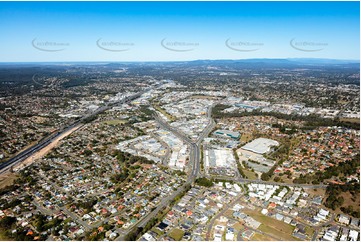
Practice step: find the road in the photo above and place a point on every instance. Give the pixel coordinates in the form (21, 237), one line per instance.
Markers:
(163, 204)
(211, 223)
(319, 227)
(167, 154)
(5, 166)
(194, 162)
(195, 151)
(76, 218)
(203, 135)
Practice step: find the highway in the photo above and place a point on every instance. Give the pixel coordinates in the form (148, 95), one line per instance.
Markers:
(194, 161)
(5, 166)
(203, 135)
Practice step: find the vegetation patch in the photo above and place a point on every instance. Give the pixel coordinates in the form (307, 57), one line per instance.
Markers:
(204, 182)
(261, 237)
(176, 234)
(115, 121)
(273, 226)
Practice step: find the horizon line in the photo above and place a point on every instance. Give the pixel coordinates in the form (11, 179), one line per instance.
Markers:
(150, 61)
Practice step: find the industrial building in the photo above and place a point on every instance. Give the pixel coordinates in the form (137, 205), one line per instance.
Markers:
(260, 145)
(227, 133)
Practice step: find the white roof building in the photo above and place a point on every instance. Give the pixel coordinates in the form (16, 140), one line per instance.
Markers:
(344, 219)
(324, 212)
(260, 145)
(238, 188)
(353, 235)
(229, 235)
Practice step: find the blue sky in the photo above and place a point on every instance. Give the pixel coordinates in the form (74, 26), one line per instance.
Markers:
(133, 31)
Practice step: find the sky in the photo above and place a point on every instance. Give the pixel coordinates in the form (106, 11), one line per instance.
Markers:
(177, 31)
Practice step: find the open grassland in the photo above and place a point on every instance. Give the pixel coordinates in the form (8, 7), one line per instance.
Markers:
(176, 234)
(250, 174)
(351, 120)
(115, 122)
(272, 226)
(7, 179)
(161, 110)
(246, 137)
(261, 237)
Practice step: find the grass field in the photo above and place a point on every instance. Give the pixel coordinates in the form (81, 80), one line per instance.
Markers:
(277, 233)
(272, 226)
(246, 137)
(310, 231)
(228, 213)
(7, 179)
(159, 109)
(3, 237)
(284, 179)
(261, 237)
(351, 120)
(157, 231)
(250, 174)
(316, 192)
(176, 234)
(115, 122)
(238, 226)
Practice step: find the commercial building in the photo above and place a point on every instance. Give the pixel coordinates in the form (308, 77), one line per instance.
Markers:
(260, 145)
(227, 133)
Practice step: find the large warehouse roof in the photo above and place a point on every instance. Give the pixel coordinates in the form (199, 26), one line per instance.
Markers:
(260, 145)
(234, 135)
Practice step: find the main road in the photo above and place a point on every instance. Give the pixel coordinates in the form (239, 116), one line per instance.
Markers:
(5, 166)
(194, 163)
(194, 158)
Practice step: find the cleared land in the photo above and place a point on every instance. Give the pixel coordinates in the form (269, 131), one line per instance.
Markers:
(159, 109)
(115, 122)
(276, 233)
(176, 234)
(7, 179)
(261, 237)
(351, 120)
(310, 231)
(316, 192)
(246, 137)
(272, 226)
(250, 174)
(157, 231)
